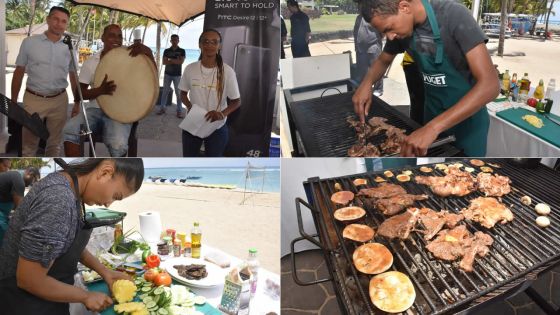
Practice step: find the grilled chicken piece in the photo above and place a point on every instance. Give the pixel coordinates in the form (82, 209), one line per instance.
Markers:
(460, 243)
(487, 211)
(434, 221)
(395, 137)
(456, 183)
(384, 190)
(397, 203)
(493, 185)
(400, 225)
(479, 246)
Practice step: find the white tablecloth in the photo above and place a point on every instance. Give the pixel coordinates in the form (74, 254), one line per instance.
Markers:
(507, 140)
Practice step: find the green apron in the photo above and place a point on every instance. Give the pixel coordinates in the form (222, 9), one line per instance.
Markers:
(444, 86)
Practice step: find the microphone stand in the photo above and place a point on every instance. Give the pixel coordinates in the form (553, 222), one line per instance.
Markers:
(68, 41)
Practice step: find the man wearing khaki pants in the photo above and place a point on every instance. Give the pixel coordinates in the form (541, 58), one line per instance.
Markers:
(48, 62)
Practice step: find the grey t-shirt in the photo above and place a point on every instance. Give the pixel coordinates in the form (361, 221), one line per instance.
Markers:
(11, 183)
(43, 227)
(459, 32)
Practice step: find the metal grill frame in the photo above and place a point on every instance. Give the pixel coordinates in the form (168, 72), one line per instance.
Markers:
(323, 141)
(318, 193)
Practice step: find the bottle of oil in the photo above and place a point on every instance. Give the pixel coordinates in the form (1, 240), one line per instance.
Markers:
(539, 91)
(196, 238)
(505, 83)
(525, 84)
(514, 90)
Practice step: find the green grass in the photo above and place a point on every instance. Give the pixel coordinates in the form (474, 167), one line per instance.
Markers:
(330, 23)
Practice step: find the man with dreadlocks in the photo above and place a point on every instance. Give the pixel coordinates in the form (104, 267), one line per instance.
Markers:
(211, 85)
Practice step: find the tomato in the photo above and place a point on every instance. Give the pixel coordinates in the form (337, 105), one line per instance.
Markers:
(532, 102)
(163, 278)
(151, 274)
(152, 261)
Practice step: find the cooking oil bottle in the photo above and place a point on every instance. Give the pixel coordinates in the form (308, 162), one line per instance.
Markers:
(196, 238)
(539, 91)
(525, 84)
(505, 83)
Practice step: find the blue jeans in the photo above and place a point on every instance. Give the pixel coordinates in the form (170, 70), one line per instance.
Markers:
(115, 134)
(167, 79)
(214, 144)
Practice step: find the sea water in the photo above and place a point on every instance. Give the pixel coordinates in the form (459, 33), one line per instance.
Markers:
(266, 180)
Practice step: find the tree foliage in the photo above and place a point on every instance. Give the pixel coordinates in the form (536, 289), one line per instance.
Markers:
(21, 164)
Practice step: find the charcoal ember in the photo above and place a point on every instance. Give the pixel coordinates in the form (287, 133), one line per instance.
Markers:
(192, 272)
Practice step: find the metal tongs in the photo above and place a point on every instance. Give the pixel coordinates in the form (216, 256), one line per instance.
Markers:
(435, 144)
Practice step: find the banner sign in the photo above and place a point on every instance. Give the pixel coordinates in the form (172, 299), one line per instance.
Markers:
(250, 32)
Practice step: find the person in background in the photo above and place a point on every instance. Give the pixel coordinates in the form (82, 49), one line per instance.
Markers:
(12, 187)
(173, 59)
(368, 45)
(210, 84)
(283, 37)
(5, 164)
(300, 30)
(48, 234)
(47, 61)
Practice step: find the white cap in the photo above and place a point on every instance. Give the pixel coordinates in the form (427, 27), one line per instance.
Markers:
(137, 34)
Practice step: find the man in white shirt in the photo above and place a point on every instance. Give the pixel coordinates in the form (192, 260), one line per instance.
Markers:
(115, 134)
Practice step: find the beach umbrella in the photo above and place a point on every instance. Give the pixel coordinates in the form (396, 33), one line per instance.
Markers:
(177, 12)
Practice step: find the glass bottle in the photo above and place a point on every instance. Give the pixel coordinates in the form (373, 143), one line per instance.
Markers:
(196, 239)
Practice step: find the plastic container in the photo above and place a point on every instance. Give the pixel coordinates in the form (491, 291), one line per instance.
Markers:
(254, 265)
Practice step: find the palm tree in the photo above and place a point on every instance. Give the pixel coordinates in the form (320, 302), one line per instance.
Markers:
(503, 23)
(547, 17)
(31, 17)
(21, 164)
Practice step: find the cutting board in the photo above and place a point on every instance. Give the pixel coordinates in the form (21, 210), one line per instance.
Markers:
(550, 132)
(101, 286)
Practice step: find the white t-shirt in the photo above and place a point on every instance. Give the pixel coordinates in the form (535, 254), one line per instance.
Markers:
(201, 82)
(87, 74)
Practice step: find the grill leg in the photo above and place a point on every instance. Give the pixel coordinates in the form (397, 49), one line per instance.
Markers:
(541, 302)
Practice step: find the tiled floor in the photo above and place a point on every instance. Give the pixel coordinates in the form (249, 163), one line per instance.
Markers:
(321, 299)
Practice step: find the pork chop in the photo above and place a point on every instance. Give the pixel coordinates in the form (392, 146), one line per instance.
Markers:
(397, 203)
(487, 211)
(384, 190)
(399, 226)
(493, 185)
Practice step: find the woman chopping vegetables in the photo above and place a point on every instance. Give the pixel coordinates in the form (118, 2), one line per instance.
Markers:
(48, 234)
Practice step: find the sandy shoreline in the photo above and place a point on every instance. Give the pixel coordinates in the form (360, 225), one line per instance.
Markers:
(226, 223)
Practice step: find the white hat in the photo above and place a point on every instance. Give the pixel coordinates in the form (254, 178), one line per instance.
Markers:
(137, 34)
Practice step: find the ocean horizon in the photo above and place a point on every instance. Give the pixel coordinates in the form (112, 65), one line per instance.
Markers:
(258, 179)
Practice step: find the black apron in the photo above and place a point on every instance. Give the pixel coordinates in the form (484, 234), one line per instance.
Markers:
(14, 300)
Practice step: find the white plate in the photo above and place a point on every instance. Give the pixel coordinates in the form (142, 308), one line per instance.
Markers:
(215, 277)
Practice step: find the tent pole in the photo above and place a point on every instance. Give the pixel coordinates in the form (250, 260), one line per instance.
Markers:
(3, 60)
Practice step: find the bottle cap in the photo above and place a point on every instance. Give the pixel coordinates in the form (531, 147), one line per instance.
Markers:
(196, 224)
(252, 251)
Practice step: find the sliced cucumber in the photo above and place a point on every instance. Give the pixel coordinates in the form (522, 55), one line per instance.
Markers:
(163, 311)
(146, 289)
(158, 290)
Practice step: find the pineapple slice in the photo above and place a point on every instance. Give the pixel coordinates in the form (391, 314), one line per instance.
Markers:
(124, 291)
(130, 307)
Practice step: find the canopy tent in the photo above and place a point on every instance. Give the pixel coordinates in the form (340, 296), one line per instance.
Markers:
(177, 12)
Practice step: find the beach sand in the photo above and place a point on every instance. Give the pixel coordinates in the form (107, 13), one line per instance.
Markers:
(226, 223)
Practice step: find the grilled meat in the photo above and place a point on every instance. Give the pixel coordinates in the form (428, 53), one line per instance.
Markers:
(384, 190)
(487, 211)
(399, 226)
(460, 243)
(479, 246)
(363, 150)
(392, 144)
(192, 272)
(434, 221)
(397, 203)
(456, 183)
(493, 185)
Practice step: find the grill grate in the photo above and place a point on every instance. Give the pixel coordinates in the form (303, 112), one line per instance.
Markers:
(519, 247)
(322, 127)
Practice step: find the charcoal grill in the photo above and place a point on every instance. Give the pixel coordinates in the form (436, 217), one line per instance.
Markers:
(322, 130)
(520, 251)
